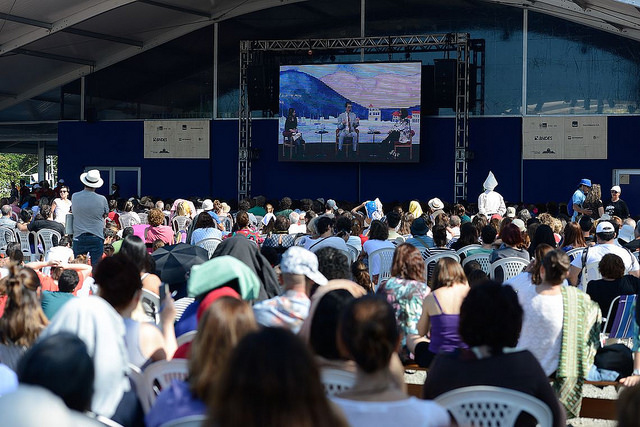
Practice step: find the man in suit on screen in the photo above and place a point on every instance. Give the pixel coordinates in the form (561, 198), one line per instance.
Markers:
(347, 124)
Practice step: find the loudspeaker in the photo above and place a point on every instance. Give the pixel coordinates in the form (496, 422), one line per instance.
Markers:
(262, 86)
(428, 105)
(445, 82)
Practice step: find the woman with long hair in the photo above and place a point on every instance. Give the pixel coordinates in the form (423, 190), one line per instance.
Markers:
(271, 379)
(573, 237)
(222, 325)
(543, 234)
(405, 290)
(441, 311)
(468, 236)
(593, 201)
(136, 251)
(291, 127)
(561, 324)
(23, 319)
(205, 228)
(369, 335)
(512, 245)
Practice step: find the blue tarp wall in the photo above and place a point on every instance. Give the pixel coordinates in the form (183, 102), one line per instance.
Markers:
(495, 142)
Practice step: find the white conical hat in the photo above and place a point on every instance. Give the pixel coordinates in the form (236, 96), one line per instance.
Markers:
(490, 183)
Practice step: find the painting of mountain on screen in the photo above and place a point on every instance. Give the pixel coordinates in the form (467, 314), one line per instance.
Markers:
(378, 93)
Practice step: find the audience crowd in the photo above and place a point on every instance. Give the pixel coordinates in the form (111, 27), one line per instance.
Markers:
(307, 312)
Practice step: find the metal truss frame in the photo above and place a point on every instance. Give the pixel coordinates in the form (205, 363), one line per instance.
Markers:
(460, 43)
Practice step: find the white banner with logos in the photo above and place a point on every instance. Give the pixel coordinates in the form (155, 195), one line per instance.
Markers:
(564, 138)
(172, 139)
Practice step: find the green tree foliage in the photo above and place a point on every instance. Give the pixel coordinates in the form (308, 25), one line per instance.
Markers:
(13, 167)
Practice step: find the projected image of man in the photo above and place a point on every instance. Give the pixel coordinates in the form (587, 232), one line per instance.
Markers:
(347, 124)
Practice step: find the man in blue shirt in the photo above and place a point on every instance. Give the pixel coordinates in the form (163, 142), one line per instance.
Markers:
(578, 199)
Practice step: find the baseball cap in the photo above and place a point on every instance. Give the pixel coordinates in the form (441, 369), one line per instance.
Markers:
(520, 224)
(616, 188)
(511, 212)
(585, 181)
(604, 227)
(332, 204)
(297, 260)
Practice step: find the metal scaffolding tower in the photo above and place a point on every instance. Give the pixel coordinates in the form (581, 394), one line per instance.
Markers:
(460, 43)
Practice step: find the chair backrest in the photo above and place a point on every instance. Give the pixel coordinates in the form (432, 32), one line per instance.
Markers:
(336, 381)
(354, 252)
(25, 246)
(158, 376)
(181, 223)
(431, 261)
(144, 218)
(151, 305)
(386, 259)
(126, 221)
(189, 421)
(621, 324)
(591, 272)
(493, 406)
(209, 244)
(510, 267)
(45, 237)
(347, 253)
(575, 253)
(186, 337)
(463, 250)
(483, 259)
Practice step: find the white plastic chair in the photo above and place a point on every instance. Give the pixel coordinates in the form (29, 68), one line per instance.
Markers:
(23, 238)
(575, 253)
(355, 252)
(190, 421)
(386, 259)
(493, 406)
(144, 218)
(433, 259)
(186, 337)
(336, 381)
(463, 250)
(483, 259)
(181, 223)
(127, 221)
(45, 236)
(158, 376)
(510, 267)
(209, 244)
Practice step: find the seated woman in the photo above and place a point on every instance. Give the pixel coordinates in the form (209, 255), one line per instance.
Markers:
(285, 389)
(370, 336)
(157, 230)
(119, 284)
(543, 235)
(561, 323)
(530, 276)
(135, 250)
(378, 235)
(224, 323)
(490, 323)
(468, 236)
(405, 291)
(242, 227)
(613, 283)
(441, 312)
(401, 132)
(23, 319)
(128, 216)
(512, 245)
(205, 228)
(573, 237)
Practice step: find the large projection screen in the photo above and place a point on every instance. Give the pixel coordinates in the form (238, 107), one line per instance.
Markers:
(383, 124)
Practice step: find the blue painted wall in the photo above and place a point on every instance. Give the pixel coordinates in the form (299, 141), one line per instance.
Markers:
(495, 142)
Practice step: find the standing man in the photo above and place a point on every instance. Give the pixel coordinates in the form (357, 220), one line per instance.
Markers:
(578, 198)
(490, 202)
(347, 124)
(89, 211)
(617, 206)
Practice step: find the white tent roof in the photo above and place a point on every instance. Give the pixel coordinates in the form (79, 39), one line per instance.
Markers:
(46, 44)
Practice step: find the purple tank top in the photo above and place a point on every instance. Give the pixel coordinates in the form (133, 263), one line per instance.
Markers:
(444, 331)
